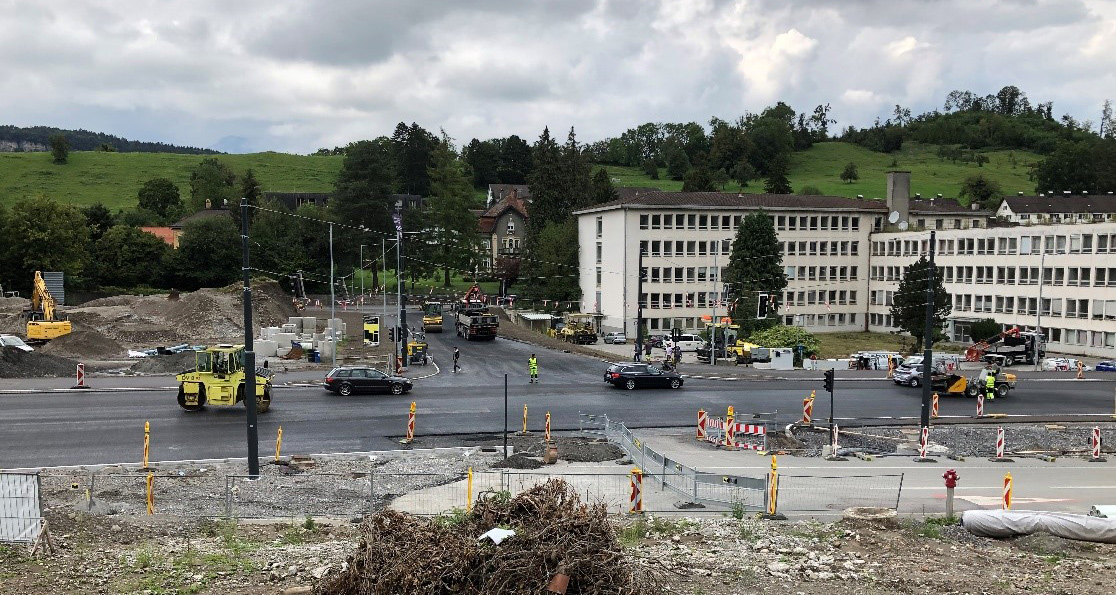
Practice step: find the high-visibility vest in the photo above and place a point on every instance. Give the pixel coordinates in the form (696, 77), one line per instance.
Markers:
(533, 364)
(990, 381)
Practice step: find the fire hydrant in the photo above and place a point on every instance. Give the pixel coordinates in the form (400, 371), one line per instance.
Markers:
(951, 478)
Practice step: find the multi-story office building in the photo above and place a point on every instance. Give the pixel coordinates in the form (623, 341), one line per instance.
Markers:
(844, 259)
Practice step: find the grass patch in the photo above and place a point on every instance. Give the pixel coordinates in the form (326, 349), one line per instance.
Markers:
(670, 526)
(931, 527)
(632, 533)
(840, 345)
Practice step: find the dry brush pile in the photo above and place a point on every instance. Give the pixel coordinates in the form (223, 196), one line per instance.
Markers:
(555, 533)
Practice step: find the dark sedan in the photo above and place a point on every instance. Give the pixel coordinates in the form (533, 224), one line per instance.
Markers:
(361, 379)
(636, 375)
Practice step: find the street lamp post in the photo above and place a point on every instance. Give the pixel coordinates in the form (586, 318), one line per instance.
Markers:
(332, 300)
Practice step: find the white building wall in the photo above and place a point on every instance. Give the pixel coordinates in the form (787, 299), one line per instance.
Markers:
(996, 274)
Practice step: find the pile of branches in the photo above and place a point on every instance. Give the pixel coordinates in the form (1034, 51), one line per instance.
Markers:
(555, 533)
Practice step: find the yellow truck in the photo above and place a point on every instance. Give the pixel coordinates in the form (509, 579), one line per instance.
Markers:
(218, 379)
(432, 317)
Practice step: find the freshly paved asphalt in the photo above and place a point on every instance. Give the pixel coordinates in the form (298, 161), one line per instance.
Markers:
(47, 427)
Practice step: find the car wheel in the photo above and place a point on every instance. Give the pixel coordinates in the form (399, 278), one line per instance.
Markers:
(676, 383)
(913, 381)
(1002, 390)
(972, 390)
(345, 388)
(630, 384)
(396, 388)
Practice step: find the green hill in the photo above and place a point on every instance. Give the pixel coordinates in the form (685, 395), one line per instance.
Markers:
(821, 166)
(115, 178)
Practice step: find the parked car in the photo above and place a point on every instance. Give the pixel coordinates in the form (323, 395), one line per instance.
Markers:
(632, 375)
(657, 340)
(689, 342)
(1064, 364)
(14, 341)
(1106, 366)
(347, 380)
(910, 371)
(615, 338)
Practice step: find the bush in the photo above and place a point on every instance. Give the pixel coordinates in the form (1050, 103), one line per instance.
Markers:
(786, 336)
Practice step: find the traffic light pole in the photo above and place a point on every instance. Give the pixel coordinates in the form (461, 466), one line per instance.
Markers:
(249, 353)
(639, 311)
(828, 385)
(928, 330)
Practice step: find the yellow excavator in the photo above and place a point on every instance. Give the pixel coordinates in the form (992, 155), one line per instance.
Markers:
(43, 320)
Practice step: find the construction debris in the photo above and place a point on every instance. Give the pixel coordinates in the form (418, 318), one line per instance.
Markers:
(555, 533)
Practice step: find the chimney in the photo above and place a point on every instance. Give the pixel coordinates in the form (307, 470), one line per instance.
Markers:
(899, 195)
(975, 206)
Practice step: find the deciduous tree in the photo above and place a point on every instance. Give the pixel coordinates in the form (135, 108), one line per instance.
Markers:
(160, 196)
(214, 181)
(98, 219)
(126, 256)
(45, 235)
(209, 253)
(850, 174)
(983, 191)
(984, 329)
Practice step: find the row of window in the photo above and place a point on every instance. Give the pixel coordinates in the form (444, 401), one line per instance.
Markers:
(821, 248)
(816, 223)
(1086, 243)
(698, 299)
(1059, 217)
(1051, 276)
(838, 319)
(689, 221)
(816, 273)
(680, 248)
(683, 274)
(832, 297)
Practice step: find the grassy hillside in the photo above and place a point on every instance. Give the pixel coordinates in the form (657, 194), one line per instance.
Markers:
(115, 178)
(821, 166)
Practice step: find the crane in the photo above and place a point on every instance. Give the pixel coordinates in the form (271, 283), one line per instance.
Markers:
(43, 321)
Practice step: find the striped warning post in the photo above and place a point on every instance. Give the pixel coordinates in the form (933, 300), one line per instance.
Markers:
(546, 428)
(934, 405)
(923, 441)
(1000, 442)
(1096, 443)
(410, 425)
(836, 432)
(808, 410)
(81, 377)
(730, 426)
(773, 488)
(1007, 492)
(980, 405)
(636, 504)
(278, 442)
(146, 441)
(701, 425)
(150, 493)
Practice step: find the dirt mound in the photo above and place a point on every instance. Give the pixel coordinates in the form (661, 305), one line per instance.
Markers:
(518, 461)
(13, 304)
(84, 344)
(112, 300)
(16, 363)
(165, 364)
(588, 452)
(555, 534)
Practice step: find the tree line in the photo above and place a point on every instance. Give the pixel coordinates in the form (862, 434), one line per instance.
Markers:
(86, 140)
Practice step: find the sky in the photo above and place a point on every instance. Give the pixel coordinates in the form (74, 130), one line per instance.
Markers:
(294, 76)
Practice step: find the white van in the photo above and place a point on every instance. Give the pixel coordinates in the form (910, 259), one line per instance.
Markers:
(689, 342)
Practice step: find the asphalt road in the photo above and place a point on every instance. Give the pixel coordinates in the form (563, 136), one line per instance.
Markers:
(43, 428)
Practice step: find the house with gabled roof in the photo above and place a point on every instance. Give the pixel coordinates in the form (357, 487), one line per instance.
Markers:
(1058, 208)
(503, 226)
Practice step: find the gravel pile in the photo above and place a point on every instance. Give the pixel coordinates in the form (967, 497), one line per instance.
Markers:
(84, 344)
(16, 363)
(966, 440)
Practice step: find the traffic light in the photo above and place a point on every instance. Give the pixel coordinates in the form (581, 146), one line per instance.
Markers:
(829, 380)
(391, 333)
(762, 306)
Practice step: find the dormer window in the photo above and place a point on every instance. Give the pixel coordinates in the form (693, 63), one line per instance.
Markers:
(511, 227)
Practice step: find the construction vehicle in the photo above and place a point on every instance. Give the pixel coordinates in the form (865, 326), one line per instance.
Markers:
(1009, 347)
(218, 380)
(44, 322)
(578, 329)
(432, 317)
(728, 344)
(971, 386)
(476, 324)
(299, 300)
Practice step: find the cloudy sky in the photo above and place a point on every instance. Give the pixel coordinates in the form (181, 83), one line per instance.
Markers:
(293, 76)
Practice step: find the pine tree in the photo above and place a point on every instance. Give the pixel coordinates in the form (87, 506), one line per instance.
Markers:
(453, 230)
(908, 309)
(776, 181)
(603, 189)
(755, 266)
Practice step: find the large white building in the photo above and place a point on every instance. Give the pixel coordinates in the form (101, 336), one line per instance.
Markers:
(844, 259)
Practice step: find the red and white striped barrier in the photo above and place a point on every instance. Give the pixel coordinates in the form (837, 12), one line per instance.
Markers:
(410, 426)
(980, 405)
(836, 432)
(1000, 442)
(808, 410)
(546, 428)
(81, 377)
(934, 405)
(730, 427)
(718, 431)
(701, 424)
(923, 442)
(635, 505)
(1095, 441)
(1007, 492)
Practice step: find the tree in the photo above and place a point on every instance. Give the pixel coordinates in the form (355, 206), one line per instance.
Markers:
(1070, 167)
(98, 219)
(127, 257)
(743, 173)
(209, 253)
(698, 179)
(214, 181)
(45, 235)
(603, 189)
(507, 271)
(553, 263)
(575, 174)
(810, 190)
(850, 174)
(362, 192)
(755, 266)
(677, 163)
(412, 147)
(515, 161)
(980, 190)
(984, 329)
(787, 336)
(720, 179)
(106, 148)
(453, 232)
(249, 189)
(776, 181)
(549, 202)
(59, 148)
(160, 196)
(483, 159)
(908, 310)
(648, 166)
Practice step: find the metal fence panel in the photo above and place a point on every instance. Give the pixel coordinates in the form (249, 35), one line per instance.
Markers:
(807, 493)
(20, 511)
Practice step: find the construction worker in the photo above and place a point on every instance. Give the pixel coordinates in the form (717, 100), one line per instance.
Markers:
(533, 367)
(990, 384)
(456, 356)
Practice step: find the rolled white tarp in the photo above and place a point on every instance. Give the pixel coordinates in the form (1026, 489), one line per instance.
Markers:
(1010, 523)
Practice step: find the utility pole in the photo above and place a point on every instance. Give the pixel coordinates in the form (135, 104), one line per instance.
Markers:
(1038, 321)
(249, 354)
(639, 310)
(928, 330)
(713, 334)
(332, 300)
(402, 334)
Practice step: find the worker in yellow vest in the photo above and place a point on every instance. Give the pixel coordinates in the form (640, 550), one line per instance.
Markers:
(990, 384)
(533, 367)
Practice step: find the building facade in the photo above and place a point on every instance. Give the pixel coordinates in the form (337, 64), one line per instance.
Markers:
(844, 259)
(1053, 208)
(503, 229)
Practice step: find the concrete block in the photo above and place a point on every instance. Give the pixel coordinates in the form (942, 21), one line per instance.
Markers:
(291, 328)
(266, 348)
(284, 339)
(282, 351)
(309, 324)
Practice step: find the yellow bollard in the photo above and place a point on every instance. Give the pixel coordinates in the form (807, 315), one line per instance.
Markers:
(469, 496)
(1007, 491)
(150, 493)
(410, 425)
(278, 443)
(730, 434)
(146, 441)
(773, 488)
